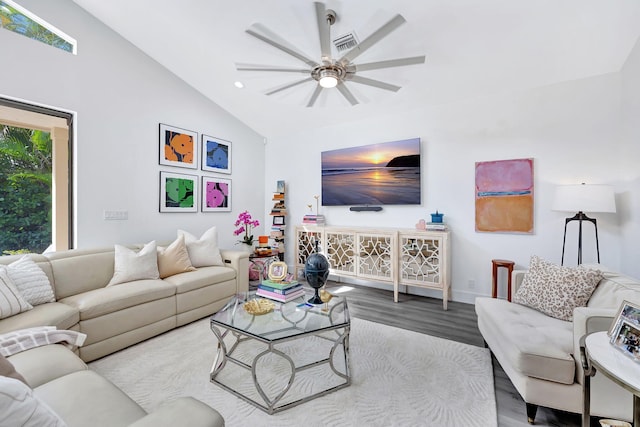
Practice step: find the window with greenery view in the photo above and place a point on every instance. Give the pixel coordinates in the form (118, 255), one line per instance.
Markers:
(25, 190)
(15, 18)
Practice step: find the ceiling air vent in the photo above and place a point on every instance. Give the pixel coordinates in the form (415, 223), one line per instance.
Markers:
(346, 41)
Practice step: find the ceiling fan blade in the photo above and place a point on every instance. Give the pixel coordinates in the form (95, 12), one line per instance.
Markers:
(261, 32)
(323, 31)
(374, 38)
(256, 67)
(400, 62)
(347, 93)
(287, 86)
(314, 96)
(374, 83)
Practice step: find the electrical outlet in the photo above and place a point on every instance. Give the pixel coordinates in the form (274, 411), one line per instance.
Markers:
(471, 284)
(115, 215)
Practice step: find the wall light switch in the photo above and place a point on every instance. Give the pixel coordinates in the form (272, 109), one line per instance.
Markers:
(115, 215)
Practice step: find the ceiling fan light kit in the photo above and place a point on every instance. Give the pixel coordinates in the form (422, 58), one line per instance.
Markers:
(329, 72)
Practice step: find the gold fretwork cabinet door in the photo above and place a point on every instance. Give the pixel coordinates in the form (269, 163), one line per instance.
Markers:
(308, 238)
(341, 251)
(376, 254)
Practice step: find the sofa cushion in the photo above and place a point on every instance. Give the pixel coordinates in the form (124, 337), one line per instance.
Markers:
(555, 290)
(202, 277)
(174, 259)
(130, 265)
(31, 281)
(203, 252)
(84, 398)
(537, 345)
(7, 370)
(55, 314)
(40, 365)
(114, 298)
(614, 289)
(11, 300)
(21, 407)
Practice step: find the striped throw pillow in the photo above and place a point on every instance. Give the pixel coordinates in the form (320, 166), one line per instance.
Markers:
(11, 302)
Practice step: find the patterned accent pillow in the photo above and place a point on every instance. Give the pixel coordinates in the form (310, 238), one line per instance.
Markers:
(555, 290)
(11, 301)
(31, 281)
(21, 407)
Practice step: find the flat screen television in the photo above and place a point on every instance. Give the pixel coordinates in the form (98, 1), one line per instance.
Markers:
(387, 173)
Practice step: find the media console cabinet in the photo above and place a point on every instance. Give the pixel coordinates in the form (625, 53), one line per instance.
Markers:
(397, 256)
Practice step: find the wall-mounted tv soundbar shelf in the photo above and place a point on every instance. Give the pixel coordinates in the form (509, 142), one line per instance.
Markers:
(396, 256)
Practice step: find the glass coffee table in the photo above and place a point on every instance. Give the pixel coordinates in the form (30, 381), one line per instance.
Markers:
(281, 359)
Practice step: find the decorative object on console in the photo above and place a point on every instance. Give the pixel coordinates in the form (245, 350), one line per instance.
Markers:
(216, 194)
(386, 173)
(178, 147)
(504, 196)
(331, 72)
(216, 154)
(436, 217)
(316, 271)
(178, 192)
(555, 290)
(583, 198)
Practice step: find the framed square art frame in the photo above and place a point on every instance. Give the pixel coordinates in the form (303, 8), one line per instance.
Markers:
(178, 147)
(628, 312)
(178, 192)
(216, 194)
(626, 338)
(216, 154)
(278, 220)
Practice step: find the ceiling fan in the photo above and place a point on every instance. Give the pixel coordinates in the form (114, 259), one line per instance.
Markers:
(331, 72)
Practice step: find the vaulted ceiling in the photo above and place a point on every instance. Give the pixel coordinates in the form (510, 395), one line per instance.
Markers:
(473, 48)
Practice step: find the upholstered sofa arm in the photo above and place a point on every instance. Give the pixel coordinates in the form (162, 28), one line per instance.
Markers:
(184, 411)
(239, 261)
(587, 320)
(517, 276)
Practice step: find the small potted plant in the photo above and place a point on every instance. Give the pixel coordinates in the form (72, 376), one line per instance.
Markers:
(245, 224)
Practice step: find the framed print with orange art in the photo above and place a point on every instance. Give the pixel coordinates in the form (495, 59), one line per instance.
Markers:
(178, 147)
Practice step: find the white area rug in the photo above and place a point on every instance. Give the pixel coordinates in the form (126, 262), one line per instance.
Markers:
(399, 378)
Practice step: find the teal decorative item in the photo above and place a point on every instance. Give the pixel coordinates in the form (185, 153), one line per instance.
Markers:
(436, 217)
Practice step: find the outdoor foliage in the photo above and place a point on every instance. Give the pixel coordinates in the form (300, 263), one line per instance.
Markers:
(13, 20)
(25, 190)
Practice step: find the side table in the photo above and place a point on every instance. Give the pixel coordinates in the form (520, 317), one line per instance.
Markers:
(598, 355)
(495, 263)
(260, 263)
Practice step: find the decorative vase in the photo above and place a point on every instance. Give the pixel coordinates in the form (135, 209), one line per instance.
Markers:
(316, 271)
(247, 248)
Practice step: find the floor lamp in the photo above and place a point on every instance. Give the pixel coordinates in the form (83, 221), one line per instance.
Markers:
(583, 198)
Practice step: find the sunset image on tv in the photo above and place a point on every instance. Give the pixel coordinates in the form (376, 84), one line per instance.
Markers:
(387, 173)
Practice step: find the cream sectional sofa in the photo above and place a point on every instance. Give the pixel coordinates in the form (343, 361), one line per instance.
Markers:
(541, 354)
(76, 397)
(115, 317)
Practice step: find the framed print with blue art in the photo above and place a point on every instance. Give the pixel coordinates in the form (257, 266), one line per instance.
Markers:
(216, 154)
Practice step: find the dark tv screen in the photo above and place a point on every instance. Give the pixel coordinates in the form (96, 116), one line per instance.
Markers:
(387, 173)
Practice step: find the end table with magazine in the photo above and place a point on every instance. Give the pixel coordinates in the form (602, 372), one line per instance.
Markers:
(278, 355)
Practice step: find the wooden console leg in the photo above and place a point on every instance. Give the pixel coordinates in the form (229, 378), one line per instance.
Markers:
(531, 412)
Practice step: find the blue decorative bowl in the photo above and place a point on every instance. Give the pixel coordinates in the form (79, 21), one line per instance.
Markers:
(436, 217)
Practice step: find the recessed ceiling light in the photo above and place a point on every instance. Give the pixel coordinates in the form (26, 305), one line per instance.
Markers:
(239, 85)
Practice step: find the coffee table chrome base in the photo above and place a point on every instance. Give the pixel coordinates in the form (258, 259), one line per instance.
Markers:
(272, 406)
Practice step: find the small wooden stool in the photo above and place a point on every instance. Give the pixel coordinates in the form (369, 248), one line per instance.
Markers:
(509, 266)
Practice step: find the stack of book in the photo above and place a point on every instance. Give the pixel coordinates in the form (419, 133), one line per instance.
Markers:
(436, 226)
(280, 291)
(313, 219)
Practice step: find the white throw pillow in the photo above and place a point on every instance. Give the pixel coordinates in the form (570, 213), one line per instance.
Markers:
(11, 301)
(31, 281)
(21, 407)
(203, 252)
(131, 265)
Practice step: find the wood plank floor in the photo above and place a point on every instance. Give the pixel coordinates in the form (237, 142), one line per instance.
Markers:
(458, 323)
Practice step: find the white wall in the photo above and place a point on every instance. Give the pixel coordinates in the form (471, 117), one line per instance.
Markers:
(120, 96)
(629, 179)
(571, 130)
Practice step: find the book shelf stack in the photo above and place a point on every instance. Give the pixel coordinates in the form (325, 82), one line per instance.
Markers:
(278, 212)
(280, 291)
(313, 219)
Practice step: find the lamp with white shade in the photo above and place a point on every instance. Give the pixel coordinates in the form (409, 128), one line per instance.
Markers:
(583, 198)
